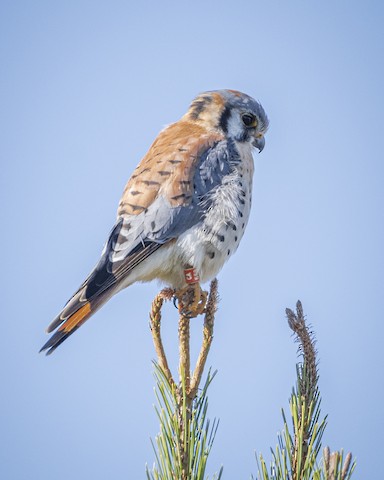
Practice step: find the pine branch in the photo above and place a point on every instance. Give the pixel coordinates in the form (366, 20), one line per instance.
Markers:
(209, 320)
(154, 324)
(296, 455)
(186, 435)
(335, 466)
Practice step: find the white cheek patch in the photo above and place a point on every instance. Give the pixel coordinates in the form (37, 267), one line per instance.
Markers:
(235, 126)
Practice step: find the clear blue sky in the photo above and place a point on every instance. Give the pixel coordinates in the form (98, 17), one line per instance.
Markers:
(85, 88)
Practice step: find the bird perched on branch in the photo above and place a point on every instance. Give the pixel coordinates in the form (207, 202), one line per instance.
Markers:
(183, 211)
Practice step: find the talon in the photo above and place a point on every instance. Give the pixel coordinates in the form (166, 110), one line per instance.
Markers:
(175, 299)
(191, 300)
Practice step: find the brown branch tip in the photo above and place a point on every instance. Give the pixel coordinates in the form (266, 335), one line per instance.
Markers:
(305, 337)
(192, 380)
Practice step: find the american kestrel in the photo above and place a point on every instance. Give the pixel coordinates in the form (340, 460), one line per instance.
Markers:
(184, 210)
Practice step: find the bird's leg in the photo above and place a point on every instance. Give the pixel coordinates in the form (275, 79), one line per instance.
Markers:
(191, 299)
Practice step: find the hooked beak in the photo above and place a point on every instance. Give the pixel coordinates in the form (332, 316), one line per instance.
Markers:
(259, 143)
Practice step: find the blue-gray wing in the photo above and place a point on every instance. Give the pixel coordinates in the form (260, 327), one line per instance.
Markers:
(163, 220)
(163, 199)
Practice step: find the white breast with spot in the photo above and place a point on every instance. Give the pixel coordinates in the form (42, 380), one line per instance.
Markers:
(209, 245)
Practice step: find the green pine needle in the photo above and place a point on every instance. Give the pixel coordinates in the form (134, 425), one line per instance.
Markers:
(296, 455)
(186, 435)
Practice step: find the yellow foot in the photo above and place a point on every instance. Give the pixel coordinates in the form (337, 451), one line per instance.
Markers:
(191, 300)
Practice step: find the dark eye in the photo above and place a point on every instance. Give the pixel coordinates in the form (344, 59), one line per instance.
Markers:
(249, 120)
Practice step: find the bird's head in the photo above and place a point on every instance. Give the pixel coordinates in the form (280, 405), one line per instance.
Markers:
(235, 114)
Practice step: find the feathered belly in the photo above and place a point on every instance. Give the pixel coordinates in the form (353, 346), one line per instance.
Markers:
(207, 245)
